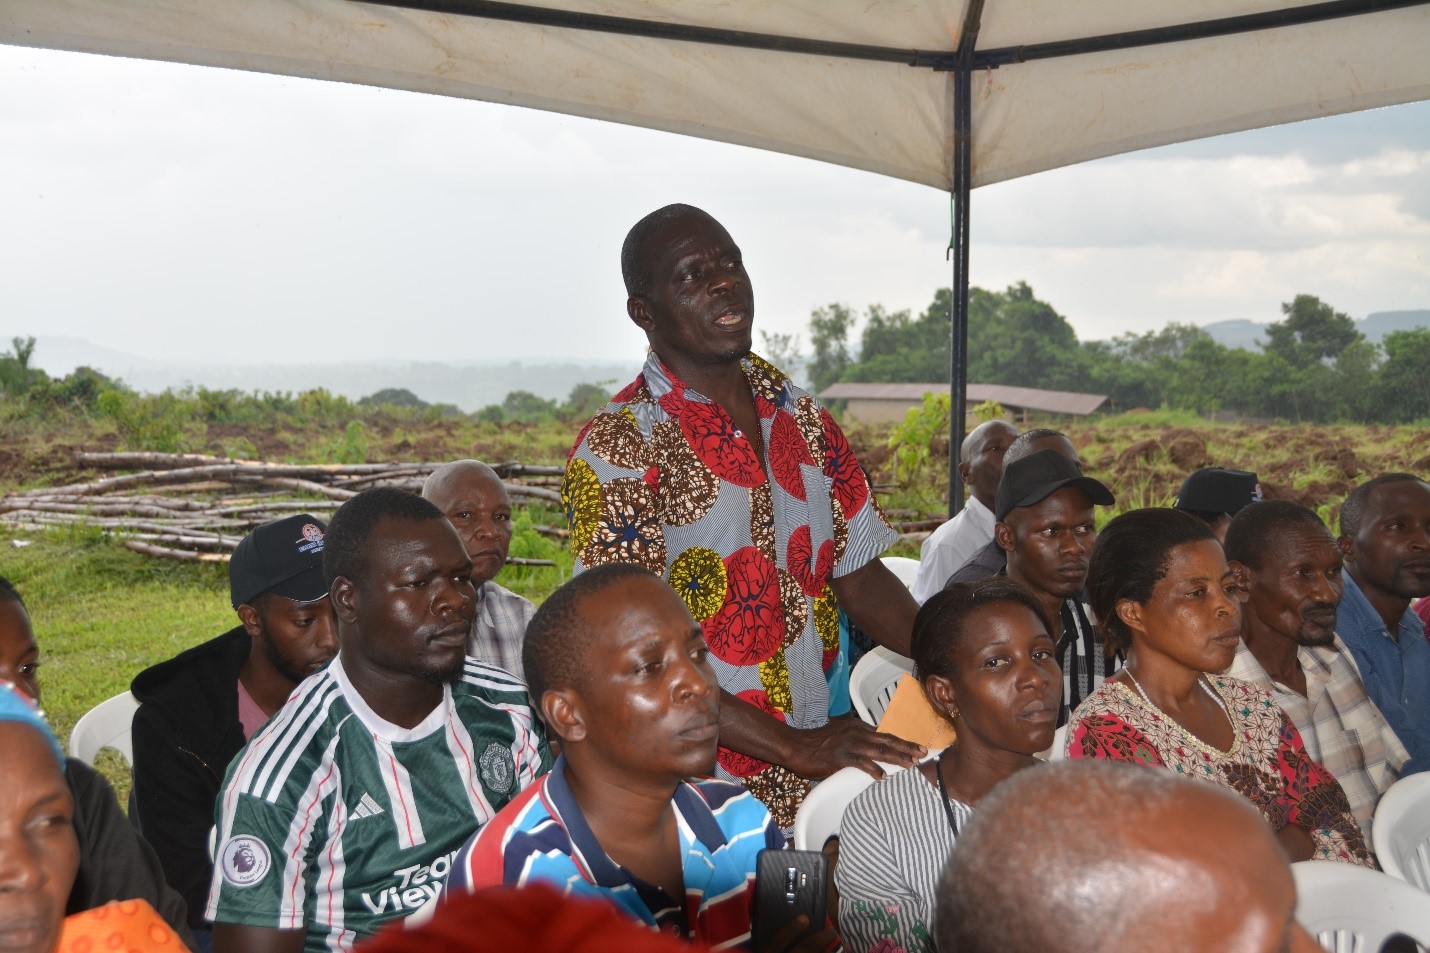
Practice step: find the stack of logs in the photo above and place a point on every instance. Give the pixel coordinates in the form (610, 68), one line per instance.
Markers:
(196, 507)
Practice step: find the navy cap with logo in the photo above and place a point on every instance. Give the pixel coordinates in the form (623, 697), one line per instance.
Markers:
(1217, 490)
(1037, 477)
(284, 557)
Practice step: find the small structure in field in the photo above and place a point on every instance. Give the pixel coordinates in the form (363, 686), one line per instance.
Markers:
(887, 403)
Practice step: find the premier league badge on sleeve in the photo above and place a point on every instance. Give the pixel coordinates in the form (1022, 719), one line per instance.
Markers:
(244, 861)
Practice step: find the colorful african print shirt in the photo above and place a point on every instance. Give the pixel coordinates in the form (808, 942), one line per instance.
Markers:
(663, 478)
(1267, 763)
(542, 837)
(335, 821)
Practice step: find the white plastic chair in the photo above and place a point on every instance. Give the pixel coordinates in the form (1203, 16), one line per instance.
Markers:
(902, 566)
(1058, 752)
(818, 817)
(1400, 830)
(106, 725)
(1350, 909)
(873, 681)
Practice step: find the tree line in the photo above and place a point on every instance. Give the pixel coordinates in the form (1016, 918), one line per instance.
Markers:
(177, 420)
(1315, 366)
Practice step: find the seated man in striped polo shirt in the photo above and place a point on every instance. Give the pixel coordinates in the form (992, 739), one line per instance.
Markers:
(345, 810)
(618, 668)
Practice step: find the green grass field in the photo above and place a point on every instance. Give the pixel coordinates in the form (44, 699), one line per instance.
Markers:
(102, 613)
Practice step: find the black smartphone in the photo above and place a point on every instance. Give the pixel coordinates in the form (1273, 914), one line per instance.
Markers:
(788, 883)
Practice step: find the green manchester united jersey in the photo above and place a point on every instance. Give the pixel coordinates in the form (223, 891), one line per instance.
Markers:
(335, 821)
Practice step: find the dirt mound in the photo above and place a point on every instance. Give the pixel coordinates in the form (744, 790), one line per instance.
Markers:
(1142, 451)
(1343, 459)
(1188, 451)
(1311, 496)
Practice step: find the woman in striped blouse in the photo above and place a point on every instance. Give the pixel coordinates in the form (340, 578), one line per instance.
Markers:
(985, 658)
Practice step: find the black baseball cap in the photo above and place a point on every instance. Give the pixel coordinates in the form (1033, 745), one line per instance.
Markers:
(1217, 490)
(284, 557)
(1037, 477)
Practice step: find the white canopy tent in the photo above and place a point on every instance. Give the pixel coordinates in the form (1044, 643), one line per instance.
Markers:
(948, 93)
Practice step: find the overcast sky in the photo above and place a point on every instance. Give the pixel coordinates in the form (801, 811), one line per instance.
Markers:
(194, 214)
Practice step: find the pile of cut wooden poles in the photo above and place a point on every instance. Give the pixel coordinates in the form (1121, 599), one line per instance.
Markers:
(196, 507)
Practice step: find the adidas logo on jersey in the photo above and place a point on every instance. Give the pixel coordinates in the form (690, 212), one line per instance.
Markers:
(367, 807)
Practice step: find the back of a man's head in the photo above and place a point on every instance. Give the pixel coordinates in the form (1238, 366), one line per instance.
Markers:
(1030, 442)
(1084, 856)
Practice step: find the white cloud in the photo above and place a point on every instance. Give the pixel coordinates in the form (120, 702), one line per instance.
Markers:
(204, 214)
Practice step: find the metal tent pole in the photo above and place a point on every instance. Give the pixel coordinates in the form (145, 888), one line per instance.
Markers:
(962, 176)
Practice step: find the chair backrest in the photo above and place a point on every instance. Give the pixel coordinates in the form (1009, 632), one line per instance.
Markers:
(1400, 830)
(1058, 751)
(873, 681)
(902, 566)
(818, 817)
(106, 725)
(1350, 909)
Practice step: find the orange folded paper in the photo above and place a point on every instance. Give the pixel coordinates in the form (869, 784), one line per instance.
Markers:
(122, 926)
(911, 717)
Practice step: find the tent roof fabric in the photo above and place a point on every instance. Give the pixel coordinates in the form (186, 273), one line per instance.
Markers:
(885, 117)
(1030, 398)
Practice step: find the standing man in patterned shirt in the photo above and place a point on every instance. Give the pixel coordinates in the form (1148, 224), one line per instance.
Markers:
(713, 470)
(345, 810)
(1291, 571)
(475, 501)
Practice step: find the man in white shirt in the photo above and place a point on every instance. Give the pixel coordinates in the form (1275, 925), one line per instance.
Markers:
(955, 542)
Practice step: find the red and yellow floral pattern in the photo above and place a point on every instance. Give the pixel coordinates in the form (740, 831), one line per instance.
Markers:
(663, 477)
(1267, 763)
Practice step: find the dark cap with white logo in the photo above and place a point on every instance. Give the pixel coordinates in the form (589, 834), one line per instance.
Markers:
(1215, 490)
(284, 557)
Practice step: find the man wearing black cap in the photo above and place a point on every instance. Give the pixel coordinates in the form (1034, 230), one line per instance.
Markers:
(990, 560)
(1044, 506)
(197, 709)
(1216, 495)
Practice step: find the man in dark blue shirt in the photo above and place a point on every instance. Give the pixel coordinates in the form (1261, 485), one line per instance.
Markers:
(1385, 539)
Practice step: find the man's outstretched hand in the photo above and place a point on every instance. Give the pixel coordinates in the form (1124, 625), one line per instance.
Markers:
(847, 742)
(811, 753)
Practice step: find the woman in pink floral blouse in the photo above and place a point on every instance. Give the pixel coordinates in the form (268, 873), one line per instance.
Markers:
(1160, 585)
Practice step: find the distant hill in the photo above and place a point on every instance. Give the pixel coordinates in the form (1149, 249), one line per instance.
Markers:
(1241, 333)
(469, 385)
(1378, 325)
(1248, 334)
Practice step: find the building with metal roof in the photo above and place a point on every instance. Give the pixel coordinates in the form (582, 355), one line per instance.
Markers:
(885, 403)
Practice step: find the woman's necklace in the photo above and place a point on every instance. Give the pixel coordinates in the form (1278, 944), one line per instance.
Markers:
(1201, 680)
(943, 795)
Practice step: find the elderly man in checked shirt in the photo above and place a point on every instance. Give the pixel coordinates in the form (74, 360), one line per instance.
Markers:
(1290, 568)
(475, 501)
